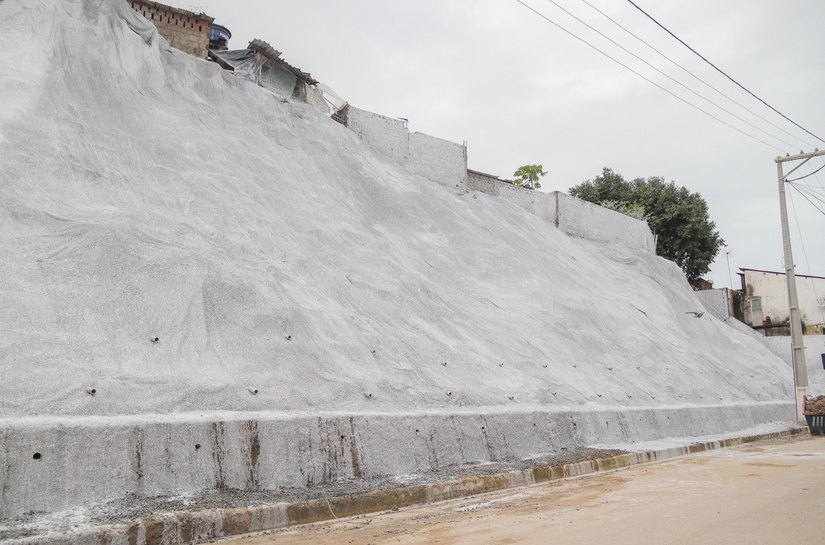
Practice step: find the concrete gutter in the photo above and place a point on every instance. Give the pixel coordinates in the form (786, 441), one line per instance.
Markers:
(176, 528)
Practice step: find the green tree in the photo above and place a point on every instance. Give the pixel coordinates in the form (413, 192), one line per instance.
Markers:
(680, 219)
(634, 210)
(529, 175)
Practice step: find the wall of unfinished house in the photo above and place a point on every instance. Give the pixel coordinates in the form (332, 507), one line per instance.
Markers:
(766, 296)
(183, 30)
(434, 158)
(445, 162)
(437, 159)
(573, 216)
(717, 302)
(587, 220)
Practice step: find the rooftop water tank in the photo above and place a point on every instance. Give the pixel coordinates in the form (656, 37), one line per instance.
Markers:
(219, 37)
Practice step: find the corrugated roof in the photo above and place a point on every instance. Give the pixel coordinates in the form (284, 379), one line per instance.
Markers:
(274, 55)
(779, 273)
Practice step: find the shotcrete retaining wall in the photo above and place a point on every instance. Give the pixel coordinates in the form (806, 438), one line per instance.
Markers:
(311, 270)
(53, 463)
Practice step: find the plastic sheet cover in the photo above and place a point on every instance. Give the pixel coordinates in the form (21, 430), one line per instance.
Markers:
(277, 79)
(242, 61)
(249, 66)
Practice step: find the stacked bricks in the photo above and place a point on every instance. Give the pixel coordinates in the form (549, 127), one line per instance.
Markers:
(183, 29)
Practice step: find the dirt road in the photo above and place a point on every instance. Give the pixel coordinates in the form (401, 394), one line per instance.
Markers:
(762, 493)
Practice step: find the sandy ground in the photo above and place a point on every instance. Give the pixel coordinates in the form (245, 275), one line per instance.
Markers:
(769, 493)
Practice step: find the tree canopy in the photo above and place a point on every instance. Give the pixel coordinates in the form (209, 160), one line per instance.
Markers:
(529, 175)
(678, 217)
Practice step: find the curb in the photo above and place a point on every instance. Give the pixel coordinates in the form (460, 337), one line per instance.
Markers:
(178, 528)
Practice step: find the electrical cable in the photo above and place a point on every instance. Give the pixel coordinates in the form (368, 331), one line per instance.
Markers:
(805, 253)
(806, 175)
(812, 190)
(807, 199)
(751, 93)
(819, 182)
(810, 193)
(674, 80)
(668, 91)
(697, 78)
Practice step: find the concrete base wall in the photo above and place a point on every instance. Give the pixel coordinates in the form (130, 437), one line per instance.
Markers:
(53, 464)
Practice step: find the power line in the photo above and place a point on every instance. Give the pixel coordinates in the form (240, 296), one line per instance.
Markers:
(805, 253)
(807, 175)
(677, 82)
(819, 182)
(663, 27)
(812, 190)
(694, 76)
(809, 200)
(809, 191)
(646, 78)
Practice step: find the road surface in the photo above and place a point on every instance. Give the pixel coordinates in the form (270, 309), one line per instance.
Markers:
(770, 493)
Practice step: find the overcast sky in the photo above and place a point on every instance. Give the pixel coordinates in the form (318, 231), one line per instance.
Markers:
(519, 90)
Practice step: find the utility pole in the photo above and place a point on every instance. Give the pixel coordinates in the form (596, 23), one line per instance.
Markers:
(800, 371)
(730, 276)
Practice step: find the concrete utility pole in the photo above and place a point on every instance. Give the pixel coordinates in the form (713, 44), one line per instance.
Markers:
(800, 371)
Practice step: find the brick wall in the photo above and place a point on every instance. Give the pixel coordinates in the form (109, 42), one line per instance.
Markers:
(439, 160)
(183, 29)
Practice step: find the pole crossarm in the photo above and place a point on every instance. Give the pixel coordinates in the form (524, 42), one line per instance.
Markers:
(810, 155)
(795, 168)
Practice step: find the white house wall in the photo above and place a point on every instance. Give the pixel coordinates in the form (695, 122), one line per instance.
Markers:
(771, 288)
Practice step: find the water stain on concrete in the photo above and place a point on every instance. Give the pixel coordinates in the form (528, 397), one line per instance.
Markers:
(353, 450)
(218, 455)
(251, 429)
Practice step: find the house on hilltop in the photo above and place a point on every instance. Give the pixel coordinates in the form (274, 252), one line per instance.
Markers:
(262, 64)
(183, 29)
(765, 301)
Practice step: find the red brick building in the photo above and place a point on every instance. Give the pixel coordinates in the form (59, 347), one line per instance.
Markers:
(184, 30)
